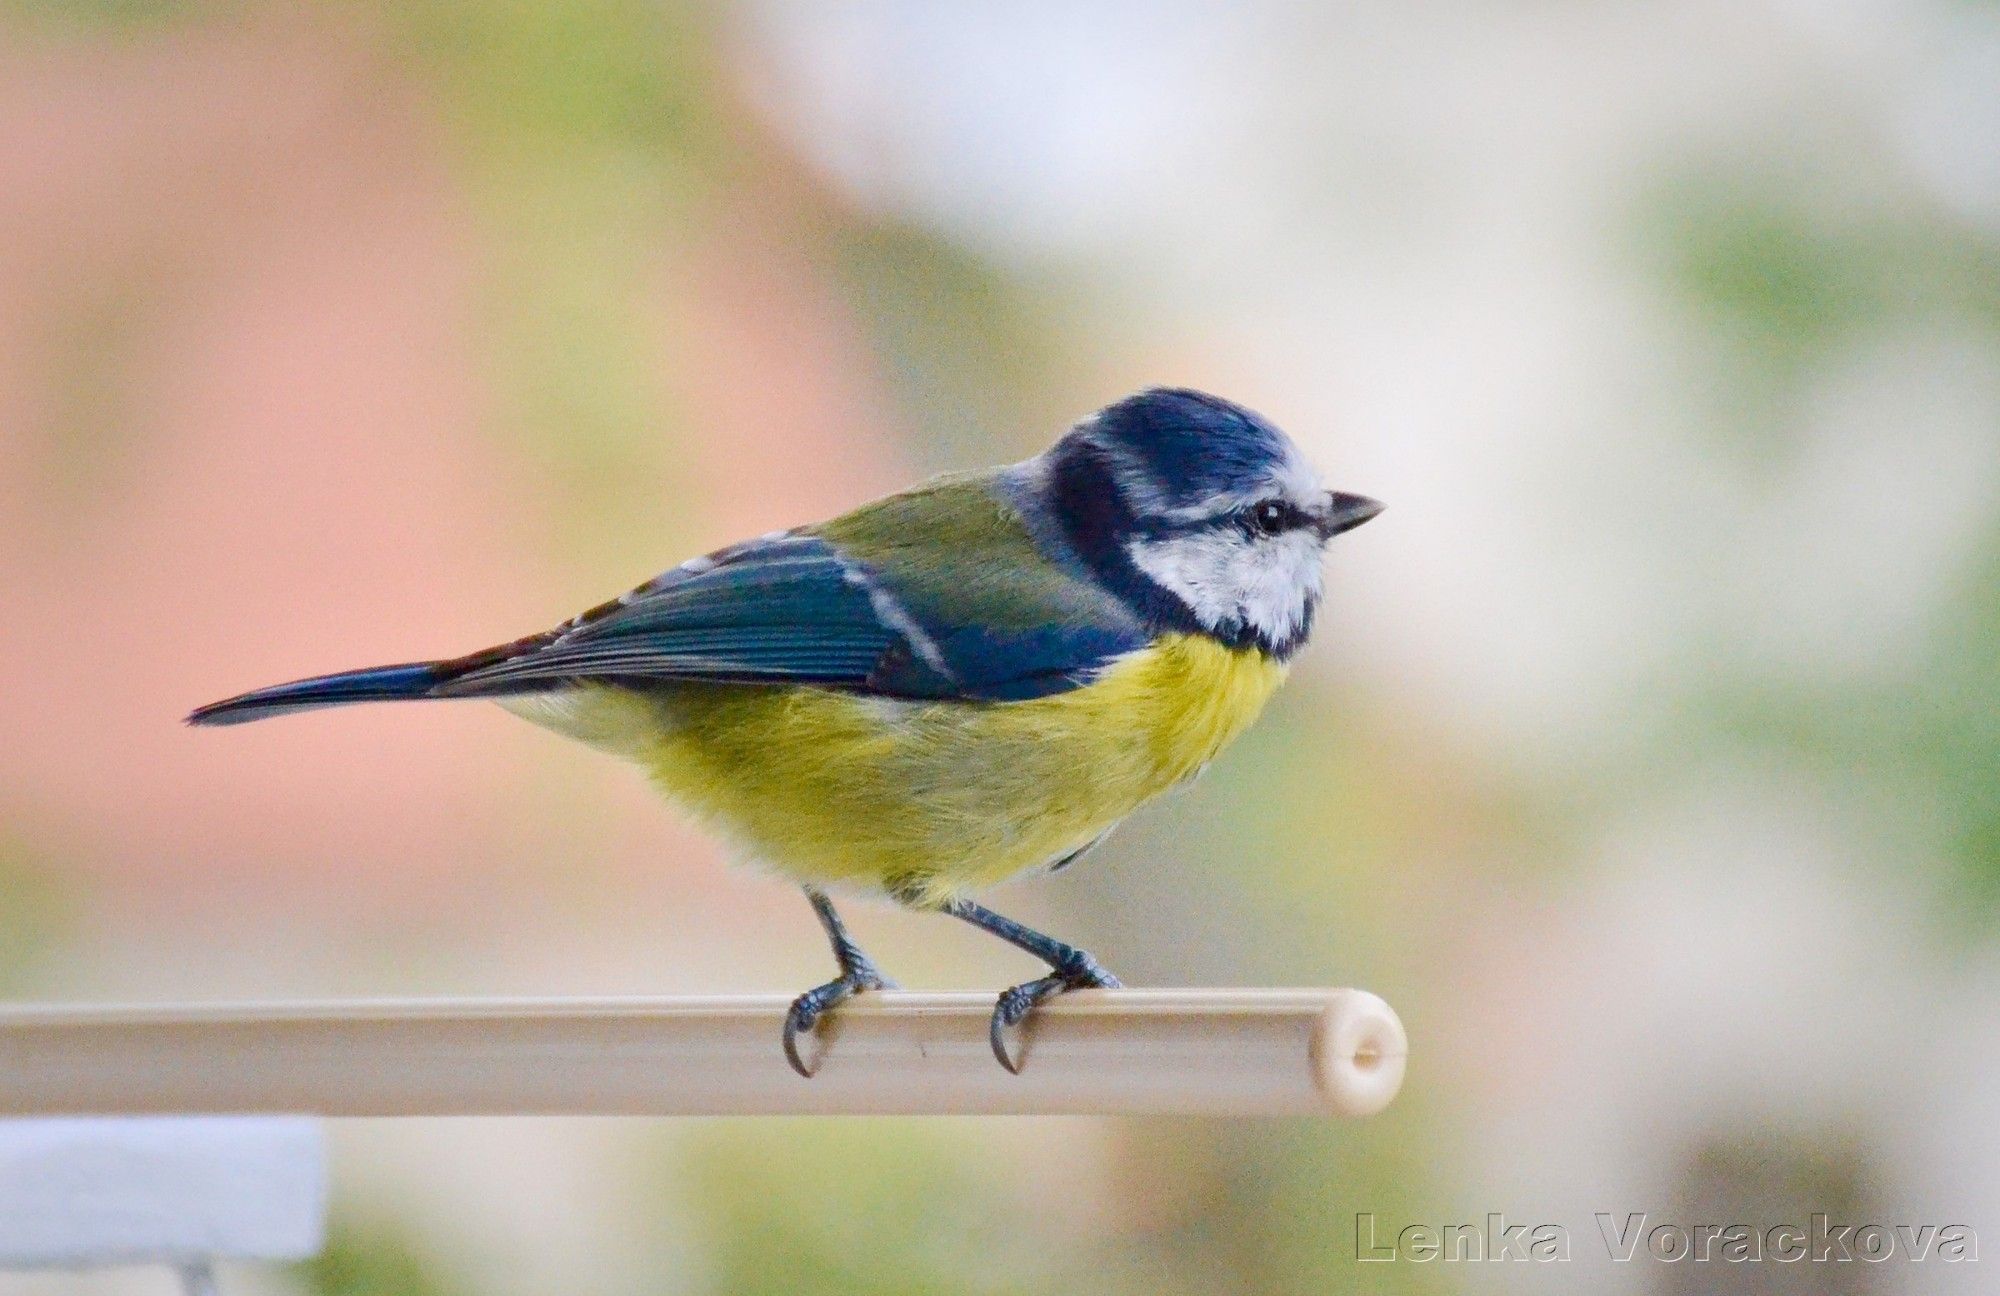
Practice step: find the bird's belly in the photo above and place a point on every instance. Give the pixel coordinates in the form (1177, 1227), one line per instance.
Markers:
(935, 798)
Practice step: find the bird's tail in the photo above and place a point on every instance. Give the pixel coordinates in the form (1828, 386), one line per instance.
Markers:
(375, 684)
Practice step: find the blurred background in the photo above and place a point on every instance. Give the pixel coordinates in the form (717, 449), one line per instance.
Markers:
(1648, 759)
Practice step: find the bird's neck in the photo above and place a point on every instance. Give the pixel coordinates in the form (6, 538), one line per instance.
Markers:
(1081, 519)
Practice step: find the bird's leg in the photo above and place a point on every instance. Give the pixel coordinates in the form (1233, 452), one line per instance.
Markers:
(1070, 969)
(857, 973)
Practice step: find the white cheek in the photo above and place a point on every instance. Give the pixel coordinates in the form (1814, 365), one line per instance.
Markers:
(1282, 578)
(1227, 578)
(1199, 568)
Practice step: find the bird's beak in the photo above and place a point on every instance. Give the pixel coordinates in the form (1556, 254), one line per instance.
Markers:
(1344, 513)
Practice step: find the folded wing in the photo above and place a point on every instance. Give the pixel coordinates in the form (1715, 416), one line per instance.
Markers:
(798, 608)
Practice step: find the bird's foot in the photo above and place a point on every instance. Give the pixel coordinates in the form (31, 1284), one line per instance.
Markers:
(1078, 971)
(808, 1008)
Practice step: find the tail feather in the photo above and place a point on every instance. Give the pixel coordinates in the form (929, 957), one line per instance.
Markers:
(375, 684)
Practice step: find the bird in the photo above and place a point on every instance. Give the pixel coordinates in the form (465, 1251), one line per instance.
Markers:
(974, 678)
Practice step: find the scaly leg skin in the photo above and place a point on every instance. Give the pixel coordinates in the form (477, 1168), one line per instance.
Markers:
(1070, 969)
(857, 973)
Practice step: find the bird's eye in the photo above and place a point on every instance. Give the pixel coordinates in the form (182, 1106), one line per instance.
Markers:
(1271, 517)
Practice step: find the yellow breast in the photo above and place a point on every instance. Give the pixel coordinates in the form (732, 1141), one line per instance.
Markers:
(936, 798)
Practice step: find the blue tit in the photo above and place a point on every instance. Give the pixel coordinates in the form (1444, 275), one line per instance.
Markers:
(972, 678)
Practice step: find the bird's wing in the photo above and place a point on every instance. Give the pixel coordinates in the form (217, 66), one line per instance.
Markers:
(937, 593)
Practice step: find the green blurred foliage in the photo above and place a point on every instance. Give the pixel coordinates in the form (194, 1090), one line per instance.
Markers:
(979, 359)
(1951, 731)
(89, 451)
(376, 1259)
(1189, 1207)
(1778, 284)
(133, 17)
(1927, 740)
(1268, 1206)
(877, 1206)
(39, 910)
(1783, 281)
(588, 136)
(1783, 269)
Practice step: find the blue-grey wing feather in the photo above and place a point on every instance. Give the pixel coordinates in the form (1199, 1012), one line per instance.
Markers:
(796, 609)
(774, 610)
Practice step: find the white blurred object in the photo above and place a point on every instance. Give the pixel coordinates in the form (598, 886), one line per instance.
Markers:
(179, 1191)
(1033, 129)
(1949, 114)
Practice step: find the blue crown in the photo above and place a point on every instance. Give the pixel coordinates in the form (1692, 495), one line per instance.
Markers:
(1187, 446)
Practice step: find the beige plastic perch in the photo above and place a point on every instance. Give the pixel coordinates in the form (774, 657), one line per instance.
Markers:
(1189, 1052)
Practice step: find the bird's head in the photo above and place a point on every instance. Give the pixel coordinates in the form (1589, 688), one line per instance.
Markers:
(1200, 513)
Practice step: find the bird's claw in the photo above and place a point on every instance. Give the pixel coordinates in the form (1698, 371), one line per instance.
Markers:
(804, 1015)
(1078, 972)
